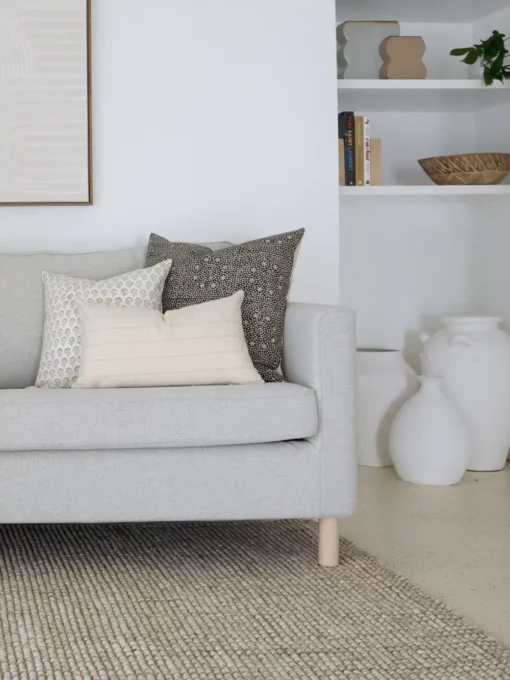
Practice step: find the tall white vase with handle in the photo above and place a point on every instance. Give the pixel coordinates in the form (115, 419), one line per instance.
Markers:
(429, 442)
(384, 382)
(473, 356)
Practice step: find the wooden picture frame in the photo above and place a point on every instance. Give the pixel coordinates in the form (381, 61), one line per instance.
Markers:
(71, 42)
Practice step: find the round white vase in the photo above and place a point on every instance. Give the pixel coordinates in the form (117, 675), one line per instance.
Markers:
(429, 442)
(384, 382)
(473, 356)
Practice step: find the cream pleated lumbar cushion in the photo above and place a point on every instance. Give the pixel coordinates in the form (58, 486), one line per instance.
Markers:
(199, 345)
(61, 351)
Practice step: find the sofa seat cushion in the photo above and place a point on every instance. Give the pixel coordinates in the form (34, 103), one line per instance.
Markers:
(166, 417)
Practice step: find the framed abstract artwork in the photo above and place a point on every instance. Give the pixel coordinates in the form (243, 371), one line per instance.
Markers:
(45, 102)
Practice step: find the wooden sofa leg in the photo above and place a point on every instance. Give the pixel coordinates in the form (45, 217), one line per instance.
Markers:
(329, 542)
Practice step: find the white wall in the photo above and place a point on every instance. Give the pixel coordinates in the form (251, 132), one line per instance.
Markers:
(439, 40)
(493, 217)
(410, 136)
(405, 264)
(213, 120)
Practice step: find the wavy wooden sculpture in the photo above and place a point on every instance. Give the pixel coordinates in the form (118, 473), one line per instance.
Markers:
(402, 56)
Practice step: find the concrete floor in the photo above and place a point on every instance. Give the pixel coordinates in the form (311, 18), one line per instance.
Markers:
(454, 542)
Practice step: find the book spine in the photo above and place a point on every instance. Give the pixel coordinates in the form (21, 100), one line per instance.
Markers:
(341, 156)
(376, 162)
(368, 151)
(347, 127)
(341, 126)
(360, 150)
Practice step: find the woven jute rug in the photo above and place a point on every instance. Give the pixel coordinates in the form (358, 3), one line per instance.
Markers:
(227, 601)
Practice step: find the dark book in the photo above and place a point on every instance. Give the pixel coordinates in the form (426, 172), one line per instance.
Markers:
(346, 131)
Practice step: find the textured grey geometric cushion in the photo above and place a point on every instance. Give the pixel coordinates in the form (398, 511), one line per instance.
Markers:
(61, 350)
(167, 417)
(262, 268)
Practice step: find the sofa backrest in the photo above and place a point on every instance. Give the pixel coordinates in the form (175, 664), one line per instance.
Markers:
(22, 301)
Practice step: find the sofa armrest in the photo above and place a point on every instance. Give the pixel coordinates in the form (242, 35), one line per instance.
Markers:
(319, 352)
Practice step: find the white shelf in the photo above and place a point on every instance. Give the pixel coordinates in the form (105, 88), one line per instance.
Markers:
(420, 95)
(410, 10)
(426, 190)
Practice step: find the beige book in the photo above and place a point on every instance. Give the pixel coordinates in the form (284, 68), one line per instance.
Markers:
(376, 162)
(341, 156)
(359, 152)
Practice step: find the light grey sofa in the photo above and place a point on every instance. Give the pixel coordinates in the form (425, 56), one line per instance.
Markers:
(192, 453)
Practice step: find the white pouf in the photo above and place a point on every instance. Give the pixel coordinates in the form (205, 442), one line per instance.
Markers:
(429, 442)
(384, 382)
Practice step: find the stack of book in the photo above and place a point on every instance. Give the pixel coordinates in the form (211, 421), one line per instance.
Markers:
(360, 153)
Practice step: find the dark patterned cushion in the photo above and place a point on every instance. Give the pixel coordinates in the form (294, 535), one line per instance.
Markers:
(262, 268)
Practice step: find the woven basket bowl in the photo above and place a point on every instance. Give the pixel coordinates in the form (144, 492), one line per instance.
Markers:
(468, 168)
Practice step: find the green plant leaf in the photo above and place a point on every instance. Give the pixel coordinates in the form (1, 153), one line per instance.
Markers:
(496, 69)
(493, 46)
(492, 51)
(471, 57)
(460, 51)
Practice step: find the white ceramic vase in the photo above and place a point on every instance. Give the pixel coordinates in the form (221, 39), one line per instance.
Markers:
(384, 382)
(473, 356)
(429, 442)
